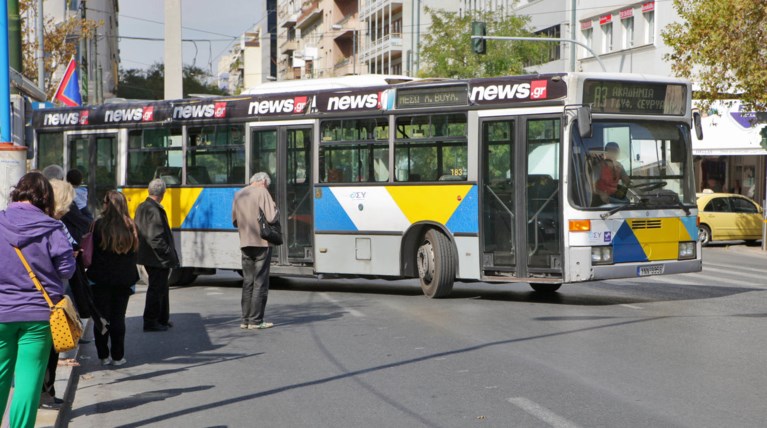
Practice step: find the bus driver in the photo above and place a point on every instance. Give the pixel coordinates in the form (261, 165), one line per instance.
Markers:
(610, 173)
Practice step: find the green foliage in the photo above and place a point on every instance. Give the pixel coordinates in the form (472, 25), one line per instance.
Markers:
(447, 48)
(720, 45)
(150, 84)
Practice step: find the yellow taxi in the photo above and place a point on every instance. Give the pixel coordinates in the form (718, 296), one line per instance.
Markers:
(728, 217)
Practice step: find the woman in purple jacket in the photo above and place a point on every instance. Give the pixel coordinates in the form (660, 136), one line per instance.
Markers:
(25, 333)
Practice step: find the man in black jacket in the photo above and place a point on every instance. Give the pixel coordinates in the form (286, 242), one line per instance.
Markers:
(157, 252)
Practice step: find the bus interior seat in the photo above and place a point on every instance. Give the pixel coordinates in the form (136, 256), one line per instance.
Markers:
(171, 175)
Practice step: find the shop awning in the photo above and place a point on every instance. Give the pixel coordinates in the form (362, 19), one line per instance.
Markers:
(728, 131)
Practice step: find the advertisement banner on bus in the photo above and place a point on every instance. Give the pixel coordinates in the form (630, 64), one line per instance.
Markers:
(512, 90)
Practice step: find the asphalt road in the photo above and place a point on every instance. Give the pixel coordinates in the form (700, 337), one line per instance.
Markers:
(681, 351)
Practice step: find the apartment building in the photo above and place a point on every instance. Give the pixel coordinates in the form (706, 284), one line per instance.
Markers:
(99, 56)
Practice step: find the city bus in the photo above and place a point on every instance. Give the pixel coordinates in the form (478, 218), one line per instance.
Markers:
(488, 179)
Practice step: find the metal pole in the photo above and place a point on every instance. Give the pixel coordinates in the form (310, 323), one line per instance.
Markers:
(174, 88)
(545, 39)
(572, 36)
(5, 78)
(40, 47)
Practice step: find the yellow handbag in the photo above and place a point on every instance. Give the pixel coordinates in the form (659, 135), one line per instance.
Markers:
(66, 327)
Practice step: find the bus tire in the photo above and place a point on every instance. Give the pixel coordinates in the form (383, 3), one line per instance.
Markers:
(436, 264)
(704, 234)
(181, 276)
(545, 288)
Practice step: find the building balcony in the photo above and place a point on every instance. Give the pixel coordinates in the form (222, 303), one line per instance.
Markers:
(344, 67)
(390, 42)
(289, 45)
(290, 21)
(308, 16)
(372, 6)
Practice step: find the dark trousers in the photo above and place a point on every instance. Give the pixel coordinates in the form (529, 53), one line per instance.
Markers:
(112, 305)
(50, 373)
(255, 283)
(157, 306)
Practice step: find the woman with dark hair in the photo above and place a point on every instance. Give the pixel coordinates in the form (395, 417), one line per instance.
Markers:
(113, 274)
(25, 332)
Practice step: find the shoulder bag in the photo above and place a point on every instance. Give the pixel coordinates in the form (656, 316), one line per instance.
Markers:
(271, 232)
(86, 246)
(66, 327)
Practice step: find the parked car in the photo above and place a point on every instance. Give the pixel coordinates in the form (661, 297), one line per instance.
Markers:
(728, 217)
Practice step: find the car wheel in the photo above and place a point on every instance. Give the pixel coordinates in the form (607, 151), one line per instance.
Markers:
(704, 234)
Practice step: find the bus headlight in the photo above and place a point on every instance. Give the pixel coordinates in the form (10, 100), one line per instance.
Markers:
(602, 255)
(687, 250)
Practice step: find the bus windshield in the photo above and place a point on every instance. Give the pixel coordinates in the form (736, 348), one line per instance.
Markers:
(631, 162)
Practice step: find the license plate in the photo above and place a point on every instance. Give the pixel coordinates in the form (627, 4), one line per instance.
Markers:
(650, 270)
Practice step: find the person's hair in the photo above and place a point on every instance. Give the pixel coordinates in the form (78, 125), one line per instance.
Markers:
(156, 187)
(115, 227)
(261, 176)
(53, 172)
(34, 188)
(63, 195)
(612, 146)
(75, 177)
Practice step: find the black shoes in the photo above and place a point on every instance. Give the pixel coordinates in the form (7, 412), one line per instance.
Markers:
(155, 327)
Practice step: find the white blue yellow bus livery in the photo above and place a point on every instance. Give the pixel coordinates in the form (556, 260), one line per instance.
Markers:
(542, 179)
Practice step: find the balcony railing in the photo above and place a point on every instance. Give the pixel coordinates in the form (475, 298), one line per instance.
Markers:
(389, 42)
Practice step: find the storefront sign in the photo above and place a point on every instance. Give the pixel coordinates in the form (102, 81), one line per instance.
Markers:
(585, 25)
(606, 19)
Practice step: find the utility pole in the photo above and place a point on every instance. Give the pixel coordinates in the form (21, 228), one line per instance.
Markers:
(40, 47)
(572, 35)
(84, 76)
(174, 77)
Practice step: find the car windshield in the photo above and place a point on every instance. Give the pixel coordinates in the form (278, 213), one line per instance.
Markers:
(631, 163)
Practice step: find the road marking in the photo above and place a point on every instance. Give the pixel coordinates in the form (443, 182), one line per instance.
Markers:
(541, 413)
(734, 271)
(352, 312)
(730, 268)
(626, 305)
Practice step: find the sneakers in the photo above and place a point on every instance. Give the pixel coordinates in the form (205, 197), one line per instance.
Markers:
(50, 403)
(261, 326)
(244, 326)
(119, 362)
(106, 361)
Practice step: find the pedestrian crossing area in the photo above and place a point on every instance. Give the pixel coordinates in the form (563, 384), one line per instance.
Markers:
(713, 274)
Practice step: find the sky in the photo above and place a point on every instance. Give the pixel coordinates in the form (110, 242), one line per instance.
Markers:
(214, 25)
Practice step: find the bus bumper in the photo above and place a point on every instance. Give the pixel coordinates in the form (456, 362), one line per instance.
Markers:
(640, 270)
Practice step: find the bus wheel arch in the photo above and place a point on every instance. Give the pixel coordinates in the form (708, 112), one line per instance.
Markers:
(429, 254)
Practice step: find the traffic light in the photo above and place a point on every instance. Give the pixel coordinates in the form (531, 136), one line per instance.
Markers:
(479, 46)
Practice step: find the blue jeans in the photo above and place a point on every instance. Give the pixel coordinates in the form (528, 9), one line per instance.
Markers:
(255, 283)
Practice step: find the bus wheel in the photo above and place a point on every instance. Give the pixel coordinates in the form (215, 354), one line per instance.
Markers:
(436, 265)
(704, 234)
(545, 288)
(181, 276)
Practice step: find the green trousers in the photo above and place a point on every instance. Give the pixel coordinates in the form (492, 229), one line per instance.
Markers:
(24, 350)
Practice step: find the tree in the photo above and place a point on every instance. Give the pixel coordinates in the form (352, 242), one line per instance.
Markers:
(447, 48)
(60, 42)
(720, 45)
(150, 84)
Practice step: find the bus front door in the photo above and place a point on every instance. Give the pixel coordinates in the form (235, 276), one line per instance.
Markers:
(520, 214)
(95, 155)
(285, 153)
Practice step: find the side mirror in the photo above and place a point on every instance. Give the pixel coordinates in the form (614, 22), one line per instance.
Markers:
(584, 121)
(696, 123)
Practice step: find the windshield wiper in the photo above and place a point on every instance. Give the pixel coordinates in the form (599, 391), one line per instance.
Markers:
(641, 204)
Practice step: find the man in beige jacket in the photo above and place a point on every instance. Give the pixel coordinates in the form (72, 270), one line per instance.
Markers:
(256, 253)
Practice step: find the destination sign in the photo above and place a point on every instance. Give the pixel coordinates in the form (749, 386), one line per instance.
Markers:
(610, 96)
(432, 97)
